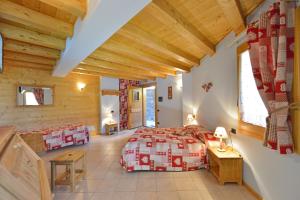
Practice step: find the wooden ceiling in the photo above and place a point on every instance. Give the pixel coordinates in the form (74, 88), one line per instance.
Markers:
(165, 37)
(35, 31)
(169, 36)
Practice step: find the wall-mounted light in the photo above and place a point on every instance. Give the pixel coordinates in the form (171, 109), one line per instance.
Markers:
(81, 86)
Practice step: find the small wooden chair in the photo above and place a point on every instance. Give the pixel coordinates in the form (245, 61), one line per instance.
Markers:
(71, 175)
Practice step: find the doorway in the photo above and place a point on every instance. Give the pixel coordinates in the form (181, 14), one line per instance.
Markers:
(149, 106)
(135, 107)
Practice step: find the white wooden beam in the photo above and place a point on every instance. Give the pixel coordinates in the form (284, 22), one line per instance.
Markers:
(103, 19)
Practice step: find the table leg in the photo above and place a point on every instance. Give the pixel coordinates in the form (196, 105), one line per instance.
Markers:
(84, 166)
(53, 175)
(72, 177)
(68, 173)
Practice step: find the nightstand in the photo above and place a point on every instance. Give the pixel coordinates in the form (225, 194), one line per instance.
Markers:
(112, 127)
(226, 166)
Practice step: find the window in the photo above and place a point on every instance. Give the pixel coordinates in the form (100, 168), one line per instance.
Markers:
(30, 99)
(252, 111)
(252, 108)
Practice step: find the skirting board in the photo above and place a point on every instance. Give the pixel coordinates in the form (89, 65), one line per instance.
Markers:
(252, 191)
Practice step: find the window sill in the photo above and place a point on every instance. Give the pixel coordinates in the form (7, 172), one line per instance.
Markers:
(251, 130)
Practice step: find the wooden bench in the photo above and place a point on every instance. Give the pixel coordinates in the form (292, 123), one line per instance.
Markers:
(71, 175)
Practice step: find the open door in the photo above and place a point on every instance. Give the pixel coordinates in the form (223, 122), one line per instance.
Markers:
(135, 107)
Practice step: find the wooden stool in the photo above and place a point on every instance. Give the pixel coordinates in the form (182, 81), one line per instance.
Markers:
(71, 175)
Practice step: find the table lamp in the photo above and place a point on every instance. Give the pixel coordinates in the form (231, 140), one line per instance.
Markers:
(190, 117)
(221, 133)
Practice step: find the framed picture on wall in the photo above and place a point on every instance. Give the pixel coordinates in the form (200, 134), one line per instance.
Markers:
(136, 95)
(1, 54)
(170, 95)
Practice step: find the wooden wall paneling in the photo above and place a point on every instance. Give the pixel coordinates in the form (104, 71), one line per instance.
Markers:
(31, 18)
(70, 104)
(124, 68)
(32, 37)
(183, 26)
(75, 7)
(22, 47)
(126, 60)
(125, 46)
(28, 58)
(233, 14)
(296, 83)
(14, 63)
(144, 37)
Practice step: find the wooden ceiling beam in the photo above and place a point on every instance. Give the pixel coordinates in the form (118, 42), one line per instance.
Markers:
(22, 47)
(115, 66)
(105, 70)
(74, 7)
(112, 75)
(28, 58)
(14, 63)
(24, 35)
(168, 14)
(124, 46)
(129, 61)
(31, 18)
(144, 37)
(233, 14)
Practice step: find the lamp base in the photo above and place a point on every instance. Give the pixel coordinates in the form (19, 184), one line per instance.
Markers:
(221, 150)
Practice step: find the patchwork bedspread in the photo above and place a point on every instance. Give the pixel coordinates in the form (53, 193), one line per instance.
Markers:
(165, 149)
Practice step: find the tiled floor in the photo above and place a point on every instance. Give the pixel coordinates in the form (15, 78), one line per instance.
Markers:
(106, 180)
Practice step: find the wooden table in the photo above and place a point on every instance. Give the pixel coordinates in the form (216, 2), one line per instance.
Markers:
(109, 127)
(226, 166)
(71, 175)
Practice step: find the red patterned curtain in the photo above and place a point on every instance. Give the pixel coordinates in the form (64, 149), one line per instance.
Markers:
(271, 42)
(39, 95)
(123, 87)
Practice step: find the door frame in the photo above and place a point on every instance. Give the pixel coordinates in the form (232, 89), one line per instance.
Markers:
(129, 105)
(146, 85)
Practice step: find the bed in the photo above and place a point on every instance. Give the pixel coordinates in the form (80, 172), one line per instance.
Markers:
(166, 149)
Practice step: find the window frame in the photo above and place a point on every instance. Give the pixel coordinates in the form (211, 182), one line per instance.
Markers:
(245, 128)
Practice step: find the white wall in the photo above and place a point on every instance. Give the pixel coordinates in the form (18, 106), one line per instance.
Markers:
(170, 114)
(274, 176)
(109, 103)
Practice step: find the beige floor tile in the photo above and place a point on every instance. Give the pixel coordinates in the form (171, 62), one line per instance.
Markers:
(123, 196)
(168, 195)
(61, 196)
(145, 196)
(146, 175)
(190, 195)
(185, 185)
(146, 185)
(166, 184)
(100, 185)
(107, 180)
(80, 196)
(102, 196)
(127, 185)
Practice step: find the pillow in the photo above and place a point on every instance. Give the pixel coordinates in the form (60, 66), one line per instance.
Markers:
(182, 132)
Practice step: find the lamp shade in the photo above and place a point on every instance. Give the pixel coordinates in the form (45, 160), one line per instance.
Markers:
(220, 132)
(190, 117)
